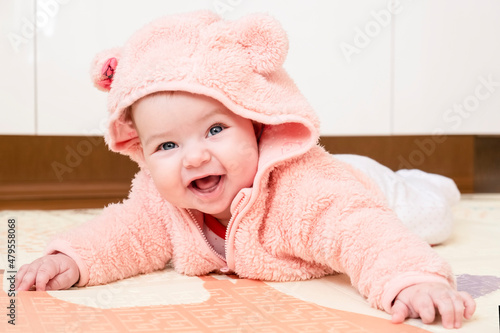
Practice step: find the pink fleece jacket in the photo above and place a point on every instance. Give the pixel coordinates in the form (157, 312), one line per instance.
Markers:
(306, 217)
(307, 214)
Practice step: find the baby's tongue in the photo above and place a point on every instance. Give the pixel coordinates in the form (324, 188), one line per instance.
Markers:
(207, 182)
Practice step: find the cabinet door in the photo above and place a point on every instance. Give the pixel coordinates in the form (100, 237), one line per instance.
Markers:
(68, 103)
(17, 70)
(339, 57)
(447, 68)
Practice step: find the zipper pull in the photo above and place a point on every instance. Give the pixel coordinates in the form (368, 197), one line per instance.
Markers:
(241, 198)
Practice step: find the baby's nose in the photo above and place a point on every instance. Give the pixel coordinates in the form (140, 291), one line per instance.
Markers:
(196, 158)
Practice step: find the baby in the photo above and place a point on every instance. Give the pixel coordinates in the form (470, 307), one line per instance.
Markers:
(232, 180)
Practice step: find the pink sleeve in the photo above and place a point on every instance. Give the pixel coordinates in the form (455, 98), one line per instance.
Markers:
(368, 242)
(127, 239)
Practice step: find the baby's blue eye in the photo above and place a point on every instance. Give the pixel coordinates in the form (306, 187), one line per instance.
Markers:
(216, 129)
(167, 146)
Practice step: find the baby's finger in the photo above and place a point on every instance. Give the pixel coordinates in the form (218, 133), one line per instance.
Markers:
(459, 305)
(20, 274)
(399, 312)
(470, 304)
(44, 275)
(424, 307)
(28, 276)
(447, 308)
(59, 282)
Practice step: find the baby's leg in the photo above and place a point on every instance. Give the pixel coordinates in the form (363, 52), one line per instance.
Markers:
(421, 200)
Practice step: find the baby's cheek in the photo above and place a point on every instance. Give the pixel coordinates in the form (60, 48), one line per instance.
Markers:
(248, 150)
(160, 188)
(244, 172)
(240, 157)
(163, 184)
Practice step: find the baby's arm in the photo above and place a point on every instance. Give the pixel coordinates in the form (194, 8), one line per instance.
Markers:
(422, 300)
(50, 272)
(125, 240)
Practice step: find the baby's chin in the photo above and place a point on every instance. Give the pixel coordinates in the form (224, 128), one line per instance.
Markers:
(220, 215)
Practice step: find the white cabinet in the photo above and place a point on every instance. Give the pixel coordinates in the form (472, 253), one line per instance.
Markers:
(340, 59)
(370, 67)
(68, 103)
(341, 89)
(447, 67)
(17, 68)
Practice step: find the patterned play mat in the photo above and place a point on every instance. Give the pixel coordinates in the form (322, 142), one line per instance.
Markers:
(165, 301)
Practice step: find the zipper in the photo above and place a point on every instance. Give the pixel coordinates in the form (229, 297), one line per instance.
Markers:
(229, 224)
(204, 237)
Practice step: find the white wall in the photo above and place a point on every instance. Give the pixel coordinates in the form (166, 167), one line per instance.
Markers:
(369, 67)
(447, 67)
(17, 69)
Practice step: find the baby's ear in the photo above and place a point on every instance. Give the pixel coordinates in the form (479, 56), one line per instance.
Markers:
(265, 41)
(103, 67)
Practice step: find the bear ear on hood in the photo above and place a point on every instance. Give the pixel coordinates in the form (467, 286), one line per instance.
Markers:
(265, 40)
(103, 67)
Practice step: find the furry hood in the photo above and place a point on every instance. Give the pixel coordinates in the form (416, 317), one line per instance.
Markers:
(239, 63)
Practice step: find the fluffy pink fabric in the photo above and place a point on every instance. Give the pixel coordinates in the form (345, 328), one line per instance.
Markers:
(238, 63)
(312, 216)
(307, 215)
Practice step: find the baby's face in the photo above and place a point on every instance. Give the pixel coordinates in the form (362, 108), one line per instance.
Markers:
(199, 153)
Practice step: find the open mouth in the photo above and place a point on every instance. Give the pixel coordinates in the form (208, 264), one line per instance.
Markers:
(206, 184)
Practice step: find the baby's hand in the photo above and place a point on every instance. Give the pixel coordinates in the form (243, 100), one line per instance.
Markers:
(422, 299)
(51, 272)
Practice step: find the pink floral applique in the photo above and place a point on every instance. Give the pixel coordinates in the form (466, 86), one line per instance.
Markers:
(107, 72)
